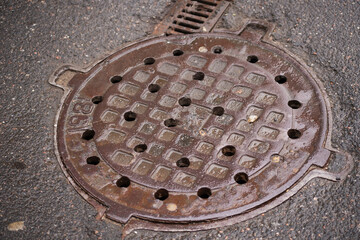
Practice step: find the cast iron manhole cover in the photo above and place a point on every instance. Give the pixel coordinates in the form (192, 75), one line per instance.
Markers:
(193, 128)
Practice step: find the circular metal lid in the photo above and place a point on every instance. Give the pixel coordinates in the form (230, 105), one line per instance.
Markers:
(191, 128)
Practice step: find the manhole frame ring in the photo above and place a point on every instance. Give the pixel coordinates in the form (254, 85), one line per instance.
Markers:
(139, 222)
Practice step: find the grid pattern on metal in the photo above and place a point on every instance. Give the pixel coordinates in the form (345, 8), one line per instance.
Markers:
(191, 128)
(251, 121)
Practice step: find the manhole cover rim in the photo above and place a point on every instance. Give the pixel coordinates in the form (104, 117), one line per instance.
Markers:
(72, 92)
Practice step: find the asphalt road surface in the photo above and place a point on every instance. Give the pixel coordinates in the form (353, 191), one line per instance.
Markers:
(37, 37)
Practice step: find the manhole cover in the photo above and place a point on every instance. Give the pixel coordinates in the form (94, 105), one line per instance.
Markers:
(193, 128)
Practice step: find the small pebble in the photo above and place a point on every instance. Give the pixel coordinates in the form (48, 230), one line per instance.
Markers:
(16, 226)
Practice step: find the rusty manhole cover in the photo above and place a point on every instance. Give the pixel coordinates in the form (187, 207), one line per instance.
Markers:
(192, 128)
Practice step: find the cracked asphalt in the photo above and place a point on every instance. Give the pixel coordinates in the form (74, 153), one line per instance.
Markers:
(37, 37)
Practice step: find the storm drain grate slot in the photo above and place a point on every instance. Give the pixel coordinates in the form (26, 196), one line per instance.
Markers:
(193, 16)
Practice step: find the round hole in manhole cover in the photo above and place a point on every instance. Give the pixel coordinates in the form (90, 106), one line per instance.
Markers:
(163, 131)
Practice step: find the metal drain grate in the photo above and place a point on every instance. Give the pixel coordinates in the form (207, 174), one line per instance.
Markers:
(194, 128)
(192, 16)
